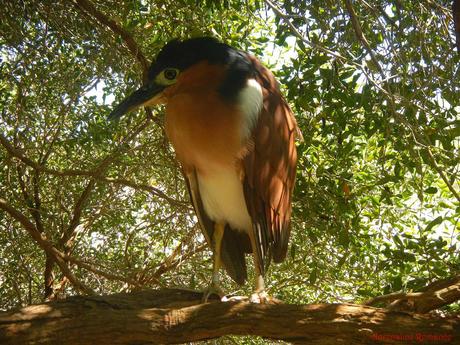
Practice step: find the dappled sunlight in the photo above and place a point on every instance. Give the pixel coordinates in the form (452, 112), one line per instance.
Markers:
(91, 207)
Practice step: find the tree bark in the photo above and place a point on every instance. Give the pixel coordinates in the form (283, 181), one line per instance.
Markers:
(170, 316)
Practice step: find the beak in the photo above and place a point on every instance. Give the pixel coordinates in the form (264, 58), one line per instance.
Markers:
(148, 94)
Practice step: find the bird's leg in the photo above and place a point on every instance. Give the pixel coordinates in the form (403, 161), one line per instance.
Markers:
(216, 240)
(259, 295)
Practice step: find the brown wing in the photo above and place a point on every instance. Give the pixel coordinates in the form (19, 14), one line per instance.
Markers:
(270, 169)
(234, 243)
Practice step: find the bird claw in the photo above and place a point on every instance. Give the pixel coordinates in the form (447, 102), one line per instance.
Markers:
(210, 291)
(234, 298)
(260, 297)
(256, 297)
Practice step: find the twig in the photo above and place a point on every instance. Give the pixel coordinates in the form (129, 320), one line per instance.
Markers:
(152, 190)
(81, 202)
(169, 265)
(92, 268)
(86, 173)
(173, 260)
(59, 257)
(34, 208)
(420, 139)
(298, 34)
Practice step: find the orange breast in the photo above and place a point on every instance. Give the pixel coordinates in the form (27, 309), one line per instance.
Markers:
(204, 130)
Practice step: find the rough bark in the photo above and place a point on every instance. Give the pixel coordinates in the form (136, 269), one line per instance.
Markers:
(175, 316)
(436, 295)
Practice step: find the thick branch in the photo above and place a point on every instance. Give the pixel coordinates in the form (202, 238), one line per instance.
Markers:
(176, 316)
(391, 297)
(434, 296)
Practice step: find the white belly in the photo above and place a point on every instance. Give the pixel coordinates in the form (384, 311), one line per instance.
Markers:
(223, 198)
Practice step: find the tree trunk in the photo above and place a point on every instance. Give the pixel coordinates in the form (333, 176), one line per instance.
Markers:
(172, 316)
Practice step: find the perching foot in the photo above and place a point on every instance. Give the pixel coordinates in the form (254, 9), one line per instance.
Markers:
(212, 292)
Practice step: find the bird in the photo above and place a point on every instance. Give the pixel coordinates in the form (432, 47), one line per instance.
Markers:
(234, 135)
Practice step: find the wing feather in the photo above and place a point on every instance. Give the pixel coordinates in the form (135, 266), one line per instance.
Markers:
(269, 168)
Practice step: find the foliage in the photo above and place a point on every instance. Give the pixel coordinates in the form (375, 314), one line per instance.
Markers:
(377, 197)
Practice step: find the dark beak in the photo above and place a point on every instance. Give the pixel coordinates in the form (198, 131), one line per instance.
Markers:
(147, 94)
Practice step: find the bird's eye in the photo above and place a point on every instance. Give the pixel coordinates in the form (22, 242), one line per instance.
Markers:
(170, 73)
(167, 76)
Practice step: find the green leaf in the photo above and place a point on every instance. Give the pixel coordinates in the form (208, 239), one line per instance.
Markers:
(433, 223)
(431, 190)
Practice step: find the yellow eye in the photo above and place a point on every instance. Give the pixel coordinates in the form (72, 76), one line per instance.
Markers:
(170, 73)
(167, 76)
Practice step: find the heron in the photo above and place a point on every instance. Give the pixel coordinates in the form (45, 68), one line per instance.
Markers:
(234, 135)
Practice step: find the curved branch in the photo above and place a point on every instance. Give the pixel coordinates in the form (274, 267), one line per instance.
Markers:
(43, 242)
(88, 8)
(95, 173)
(171, 316)
(434, 296)
(391, 297)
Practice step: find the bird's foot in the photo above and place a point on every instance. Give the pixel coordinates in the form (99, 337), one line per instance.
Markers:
(260, 297)
(211, 292)
(234, 298)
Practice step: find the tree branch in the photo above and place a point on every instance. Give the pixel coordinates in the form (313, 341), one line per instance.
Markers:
(144, 187)
(456, 17)
(388, 298)
(43, 242)
(298, 34)
(434, 296)
(419, 138)
(170, 316)
(361, 37)
(88, 8)
(17, 153)
(60, 258)
(92, 268)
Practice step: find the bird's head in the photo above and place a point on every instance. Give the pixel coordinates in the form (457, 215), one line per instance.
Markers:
(175, 58)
